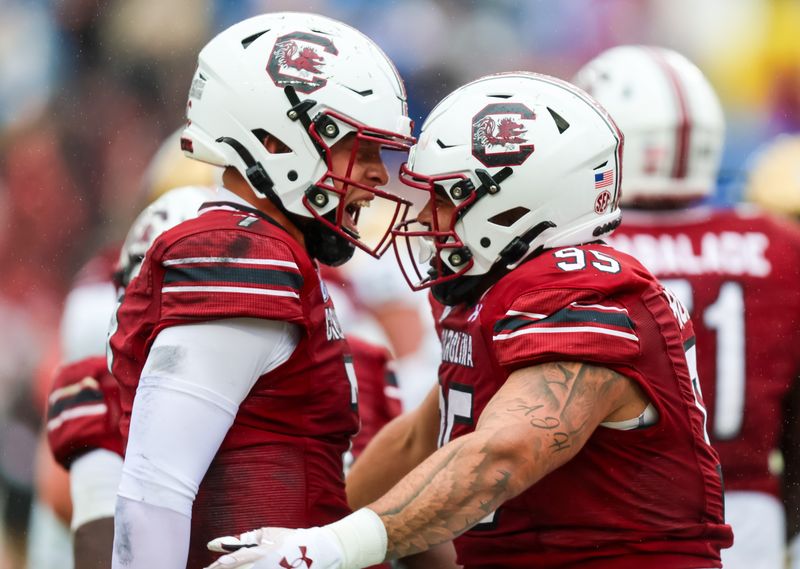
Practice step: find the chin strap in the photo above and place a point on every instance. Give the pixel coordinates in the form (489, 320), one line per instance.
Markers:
(327, 246)
(256, 173)
(322, 243)
(468, 289)
(515, 251)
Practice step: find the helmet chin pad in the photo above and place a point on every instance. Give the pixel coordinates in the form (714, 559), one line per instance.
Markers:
(325, 244)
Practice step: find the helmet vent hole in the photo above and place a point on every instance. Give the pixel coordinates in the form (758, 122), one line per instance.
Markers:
(500, 96)
(601, 165)
(273, 144)
(250, 39)
(561, 122)
(442, 145)
(364, 93)
(485, 241)
(508, 217)
(292, 175)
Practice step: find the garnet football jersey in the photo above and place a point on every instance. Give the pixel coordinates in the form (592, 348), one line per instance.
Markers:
(378, 394)
(281, 462)
(83, 411)
(737, 273)
(649, 497)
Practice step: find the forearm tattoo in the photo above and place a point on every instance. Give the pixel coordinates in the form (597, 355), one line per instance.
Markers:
(551, 407)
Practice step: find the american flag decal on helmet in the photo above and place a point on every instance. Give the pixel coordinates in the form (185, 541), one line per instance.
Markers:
(603, 179)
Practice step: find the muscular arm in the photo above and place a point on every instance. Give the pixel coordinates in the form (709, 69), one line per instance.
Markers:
(536, 422)
(397, 448)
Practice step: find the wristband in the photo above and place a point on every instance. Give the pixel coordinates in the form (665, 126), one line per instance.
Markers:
(362, 537)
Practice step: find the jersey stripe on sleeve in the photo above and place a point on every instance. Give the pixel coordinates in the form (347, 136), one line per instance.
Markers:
(240, 276)
(547, 326)
(79, 399)
(575, 318)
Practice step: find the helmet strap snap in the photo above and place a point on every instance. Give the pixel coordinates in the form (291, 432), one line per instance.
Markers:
(516, 250)
(299, 112)
(256, 173)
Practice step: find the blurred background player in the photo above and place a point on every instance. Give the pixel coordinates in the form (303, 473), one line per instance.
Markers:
(773, 184)
(773, 177)
(88, 308)
(730, 267)
(373, 302)
(83, 407)
(233, 366)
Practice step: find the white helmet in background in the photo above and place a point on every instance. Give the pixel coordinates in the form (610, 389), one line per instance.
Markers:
(671, 117)
(173, 207)
(170, 168)
(308, 81)
(530, 162)
(773, 180)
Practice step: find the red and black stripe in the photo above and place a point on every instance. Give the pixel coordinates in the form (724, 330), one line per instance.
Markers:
(233, 274)
(567, 315)
(83, 397)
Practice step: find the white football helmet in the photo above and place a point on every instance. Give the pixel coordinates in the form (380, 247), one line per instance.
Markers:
(671, 117)
(530, 162)
(773, 180)
(170, 168)
(308, 81)
(173, 207)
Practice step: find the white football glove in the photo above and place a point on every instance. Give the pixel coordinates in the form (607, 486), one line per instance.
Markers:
(357, 541)
(279, 548)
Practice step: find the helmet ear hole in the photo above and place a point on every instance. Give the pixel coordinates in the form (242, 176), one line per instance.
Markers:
(272, 143)
(509, 217)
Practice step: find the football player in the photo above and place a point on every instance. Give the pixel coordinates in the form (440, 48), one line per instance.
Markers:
(571, 427)
(232, 365)
(731, 268)
(772, 185)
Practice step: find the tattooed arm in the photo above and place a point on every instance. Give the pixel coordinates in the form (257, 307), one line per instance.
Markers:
(396, 450)
(536, 422)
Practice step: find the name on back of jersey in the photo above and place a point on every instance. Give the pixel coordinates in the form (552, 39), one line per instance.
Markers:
(726, 252)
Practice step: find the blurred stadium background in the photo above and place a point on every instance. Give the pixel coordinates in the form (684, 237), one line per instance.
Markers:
(88, 90)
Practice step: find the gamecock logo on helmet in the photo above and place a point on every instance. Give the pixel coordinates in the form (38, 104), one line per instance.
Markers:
(299, 59)
(499, 136)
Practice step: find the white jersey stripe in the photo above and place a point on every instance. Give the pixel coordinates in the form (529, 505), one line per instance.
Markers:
(528, 314)
(75, 413)
(589, 329)
(600, 307)
(74, 388)
(235, 289)
(230, 261)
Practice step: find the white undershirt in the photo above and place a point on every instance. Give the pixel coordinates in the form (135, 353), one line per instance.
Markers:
(84, 322)
(93, 482)
(190, 389)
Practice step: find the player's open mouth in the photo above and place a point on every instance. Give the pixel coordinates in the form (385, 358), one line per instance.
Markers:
(350, 217)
